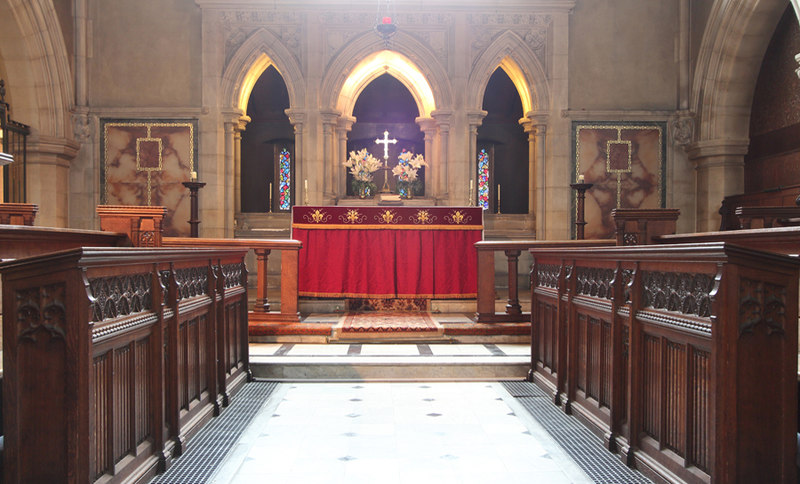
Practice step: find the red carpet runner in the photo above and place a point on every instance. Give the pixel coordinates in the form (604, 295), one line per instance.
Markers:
(385, 325)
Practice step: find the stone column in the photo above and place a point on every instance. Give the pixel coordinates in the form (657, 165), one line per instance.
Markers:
(475, 119)
(441, 180)
(719, 165)
(540, 163)
(330, 119)
(237, 163)
(344, 127)
(226, 175)
(297, 119)
(428, 127)
(530, 129)
(47, 177)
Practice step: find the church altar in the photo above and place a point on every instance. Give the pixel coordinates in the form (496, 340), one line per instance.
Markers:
(388, 252)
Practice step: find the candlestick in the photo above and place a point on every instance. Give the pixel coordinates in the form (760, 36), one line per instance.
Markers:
(470, 200)
(498, 198)
(270, 197)
(305, 191)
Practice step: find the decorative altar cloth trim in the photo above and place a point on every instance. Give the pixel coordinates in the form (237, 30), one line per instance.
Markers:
(420, 218)
(387, 227)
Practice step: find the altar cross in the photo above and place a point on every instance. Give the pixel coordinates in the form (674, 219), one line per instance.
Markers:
(385, 142)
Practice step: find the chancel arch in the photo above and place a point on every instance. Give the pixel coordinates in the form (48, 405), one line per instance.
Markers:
(363, 60)
(405, 72)
(729, 61)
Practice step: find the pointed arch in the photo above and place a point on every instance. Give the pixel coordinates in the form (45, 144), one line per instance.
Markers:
(251, 59)
(510, 52)
(729, 61)
(38, 67)
(394, 64)
(365, 58)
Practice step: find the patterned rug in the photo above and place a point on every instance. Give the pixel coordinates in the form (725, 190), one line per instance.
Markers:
(387, 325)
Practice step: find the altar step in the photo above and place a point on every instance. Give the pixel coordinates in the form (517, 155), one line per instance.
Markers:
(389, 362)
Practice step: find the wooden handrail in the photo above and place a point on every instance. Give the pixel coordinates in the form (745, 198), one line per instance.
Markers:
(512, 250)
(289, 312)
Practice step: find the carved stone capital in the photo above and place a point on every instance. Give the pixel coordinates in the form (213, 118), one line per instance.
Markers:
(82, 127)
(682, 129)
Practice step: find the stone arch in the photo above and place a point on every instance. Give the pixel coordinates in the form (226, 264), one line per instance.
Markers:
(731, 52)
(510, 52)
(37, 65)
(394, 64)
(251, 59)
(335, 92)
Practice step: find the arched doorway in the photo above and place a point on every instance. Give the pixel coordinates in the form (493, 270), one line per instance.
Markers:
(385, 105)
(267, 150)
(502, 164)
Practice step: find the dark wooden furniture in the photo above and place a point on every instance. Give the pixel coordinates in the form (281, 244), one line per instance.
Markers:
(682, 357)
(141, 223)
(18, 213)
(17, 241)
(767, 217)
(580, 200)
(785, 196)
(194, 218)
(511, 249)
(114, 357)
(636, 226)
(783, 240)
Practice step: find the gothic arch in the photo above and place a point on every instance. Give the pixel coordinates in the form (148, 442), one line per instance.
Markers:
(729, 61)
(510, 52)
(37, 65)
(251, 59)
(335, 89)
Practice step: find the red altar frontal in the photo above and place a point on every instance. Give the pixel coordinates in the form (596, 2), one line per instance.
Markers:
(388, 252)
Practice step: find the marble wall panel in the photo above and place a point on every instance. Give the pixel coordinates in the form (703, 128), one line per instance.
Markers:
(625, 162)
(146, 163)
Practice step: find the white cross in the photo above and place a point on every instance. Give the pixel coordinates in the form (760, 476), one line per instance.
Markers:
(385, 142)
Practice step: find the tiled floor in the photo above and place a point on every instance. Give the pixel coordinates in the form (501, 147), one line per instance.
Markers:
(393, 433)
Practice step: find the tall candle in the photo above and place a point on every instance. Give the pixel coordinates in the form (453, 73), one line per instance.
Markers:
(193, 175)
(305, 184)
(270, 196)
(498, 198)
(580, 178)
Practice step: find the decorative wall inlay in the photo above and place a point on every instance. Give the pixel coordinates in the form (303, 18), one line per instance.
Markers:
(117, 296)
(233, 274)
(192, 282)
(145, 162)
(547, 275)
(679, 292)
(41, 308)
(761, 303)
(625, 163)
(258, 16)
(593, 281)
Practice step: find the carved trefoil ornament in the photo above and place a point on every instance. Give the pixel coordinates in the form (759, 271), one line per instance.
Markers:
(41, 309)
(761, 303)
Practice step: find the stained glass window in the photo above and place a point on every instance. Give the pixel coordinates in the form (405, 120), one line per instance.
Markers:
(285, 177)
(483, 179)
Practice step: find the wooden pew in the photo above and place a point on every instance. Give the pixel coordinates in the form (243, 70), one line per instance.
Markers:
(783, 240)
(18, 241)
(683, 358)
(114, 357)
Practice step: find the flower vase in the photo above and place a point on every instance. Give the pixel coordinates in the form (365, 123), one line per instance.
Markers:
(364, 191)
(405, 190)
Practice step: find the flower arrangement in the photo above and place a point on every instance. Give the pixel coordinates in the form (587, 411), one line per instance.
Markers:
(362, 165)
(408, 165)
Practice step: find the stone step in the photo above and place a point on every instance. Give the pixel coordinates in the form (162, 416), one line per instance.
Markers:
(389, 362)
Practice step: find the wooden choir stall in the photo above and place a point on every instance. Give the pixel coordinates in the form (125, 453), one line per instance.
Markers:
(682, 357)
(114, 357)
